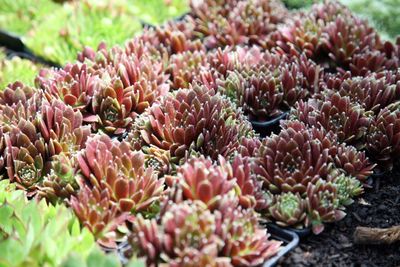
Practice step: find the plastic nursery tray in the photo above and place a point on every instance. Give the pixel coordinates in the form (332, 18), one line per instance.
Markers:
(289, 238)
(16, 47)
(267, 127)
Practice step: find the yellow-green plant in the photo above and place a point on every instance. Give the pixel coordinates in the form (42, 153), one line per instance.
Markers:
(16, 69)
(33, 233)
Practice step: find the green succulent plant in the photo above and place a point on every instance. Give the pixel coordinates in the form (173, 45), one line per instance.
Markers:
(15, 69)
(33, 233)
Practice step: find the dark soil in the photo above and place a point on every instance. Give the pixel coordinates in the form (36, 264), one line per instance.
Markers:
(377, 207)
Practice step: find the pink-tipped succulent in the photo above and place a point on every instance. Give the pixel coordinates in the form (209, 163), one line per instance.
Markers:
(16, 92)
(322, 205)
(248, 187)
(348, 120)
(189, 234)
(97, 212)
(201, 180)
(245, 242)
(184, 68)
(234, 22)
(288, 162)
(372, 92)
(191, 122)
(111, 165)
(383, 138)
(74, 85)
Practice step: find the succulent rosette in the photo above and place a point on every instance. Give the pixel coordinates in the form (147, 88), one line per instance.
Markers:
(185, 66)
(191, 122)
(16, 92)
(322, 204)
(112, 165)
(36, 131)
(347, 187)
(248, 188)
(348, 120)
(98, 213)
(74, 85)
(201, 180)
(373, 92)
(333, 36)
(222, 23)
(172, 38)
(288, 210)
(61, 182)
(245, 242)
(189, 234)
(288, 162)
(383, 143)
(267, 90)
(25, 156)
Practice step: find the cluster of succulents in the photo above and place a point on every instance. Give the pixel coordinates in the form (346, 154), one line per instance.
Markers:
(152, 144)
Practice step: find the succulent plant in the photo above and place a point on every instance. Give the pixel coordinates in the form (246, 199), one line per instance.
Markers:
(332, 36)
(248, 187)
(244, 241)
(73, 84)
(322, 205)
(34, 229)
(373, 92)
(288, 209)
(288, 162)
(354, 163)
(273, 87)
(97, 212)
(338, 114)
(112, 165)
(233, 22)
(348, 187)
(183, 67)
(191, 122)
(200, 180)
(172, 38)
(25, 156)
(383, 142)
(189, 234)
(16, 92)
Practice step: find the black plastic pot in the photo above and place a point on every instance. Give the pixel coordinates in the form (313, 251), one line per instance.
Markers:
(302, 233)
(15, 47)
(265, 128)
(289, 238)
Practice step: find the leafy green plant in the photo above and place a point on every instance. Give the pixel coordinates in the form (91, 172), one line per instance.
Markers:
(34, 234)
(15, 69)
